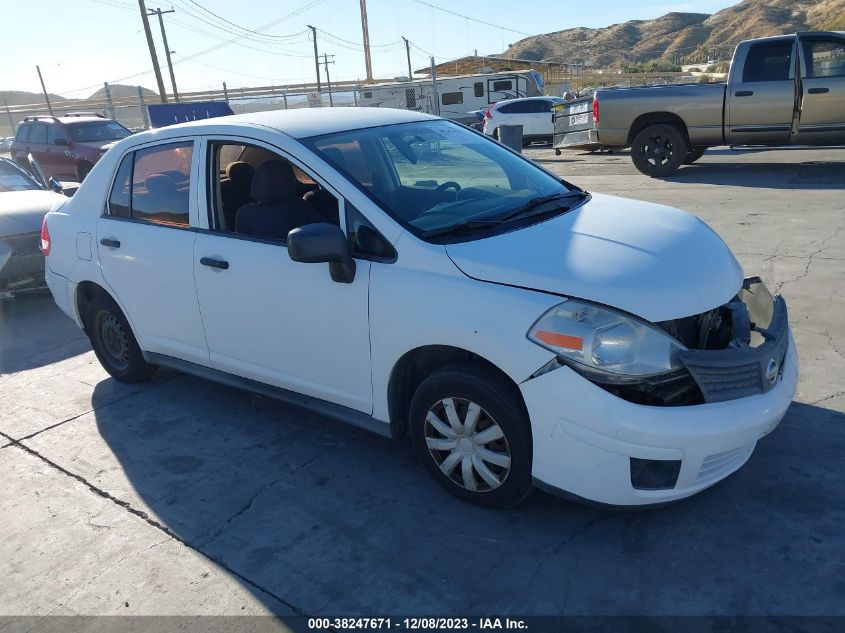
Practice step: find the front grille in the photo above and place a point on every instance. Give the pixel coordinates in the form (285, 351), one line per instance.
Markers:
(719, 465)
(25, 261)
(743, 371)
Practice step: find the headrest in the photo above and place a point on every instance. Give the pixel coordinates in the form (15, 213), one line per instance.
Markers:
(273, 181)
(159, 184)
(240, 174)
(335, 156)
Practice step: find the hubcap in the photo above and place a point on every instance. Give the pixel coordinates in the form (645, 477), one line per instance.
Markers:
(467, 444)
(115, 341)
(658, 150)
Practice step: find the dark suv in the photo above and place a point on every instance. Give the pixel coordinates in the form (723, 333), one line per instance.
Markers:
(67, 147)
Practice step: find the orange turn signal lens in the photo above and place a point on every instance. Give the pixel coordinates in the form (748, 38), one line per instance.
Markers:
(563, 341)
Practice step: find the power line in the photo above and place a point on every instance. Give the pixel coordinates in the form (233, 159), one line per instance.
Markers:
(472, 19)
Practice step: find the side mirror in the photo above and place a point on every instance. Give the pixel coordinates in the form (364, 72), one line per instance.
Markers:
(55, 185)
(61, 142)
(320, 243)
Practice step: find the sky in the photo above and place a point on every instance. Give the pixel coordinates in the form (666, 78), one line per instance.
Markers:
(82, 43)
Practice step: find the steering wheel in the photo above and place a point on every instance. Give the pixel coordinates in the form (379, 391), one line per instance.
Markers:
(449, 184)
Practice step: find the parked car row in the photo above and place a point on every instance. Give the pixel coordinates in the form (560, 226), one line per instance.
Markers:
(23, 202)
(405, 274)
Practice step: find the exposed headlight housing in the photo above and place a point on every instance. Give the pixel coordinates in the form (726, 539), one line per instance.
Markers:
(603, 340)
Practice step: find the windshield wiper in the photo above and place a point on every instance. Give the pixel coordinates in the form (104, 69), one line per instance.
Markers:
(465, 226)
(524, 210)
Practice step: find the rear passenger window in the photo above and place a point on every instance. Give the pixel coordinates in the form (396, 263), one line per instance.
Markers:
(161, 179)
(825, 58)
(23, 134)
(153, 185)
(768, 62)
(38, 133)
(121, 192)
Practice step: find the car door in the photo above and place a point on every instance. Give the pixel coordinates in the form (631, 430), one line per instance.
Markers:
(145, 244)
(541, 124)
(276, 321)
(761, 102)
(38, 145)
(822, 120)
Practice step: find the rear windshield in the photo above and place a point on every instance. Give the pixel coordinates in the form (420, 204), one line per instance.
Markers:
(14, 179)
(97, 131)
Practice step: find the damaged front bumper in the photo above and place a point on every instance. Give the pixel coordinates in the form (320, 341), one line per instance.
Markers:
(592, 442)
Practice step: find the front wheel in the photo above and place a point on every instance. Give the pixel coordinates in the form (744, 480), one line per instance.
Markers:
(471, 431)
(113, 342)
(659, 150)
(694, 154)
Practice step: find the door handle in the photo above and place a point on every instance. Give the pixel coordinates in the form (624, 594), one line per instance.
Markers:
(110, 242)
(818, 91)
(743, 93)
(214, 263)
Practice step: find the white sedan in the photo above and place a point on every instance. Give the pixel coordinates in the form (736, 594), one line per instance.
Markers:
(407, 275)
(534, 114)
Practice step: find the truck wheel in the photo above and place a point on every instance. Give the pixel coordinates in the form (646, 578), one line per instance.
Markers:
(113, 342)
(470, 429)
(694, 154)
(659, 150)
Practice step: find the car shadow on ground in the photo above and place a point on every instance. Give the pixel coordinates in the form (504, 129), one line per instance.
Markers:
(30, 327)
(806, 175)
(335, 520)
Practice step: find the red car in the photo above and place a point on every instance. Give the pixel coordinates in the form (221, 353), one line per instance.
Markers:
(67, 147)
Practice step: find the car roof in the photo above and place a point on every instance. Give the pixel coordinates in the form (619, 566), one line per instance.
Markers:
(304, 122)
(543, 97)
(65, 119)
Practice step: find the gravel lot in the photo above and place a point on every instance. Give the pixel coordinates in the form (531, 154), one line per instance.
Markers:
(182, 497)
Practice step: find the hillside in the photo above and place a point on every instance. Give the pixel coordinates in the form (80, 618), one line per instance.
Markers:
(20, 97)
(120, 90)
(675, 36)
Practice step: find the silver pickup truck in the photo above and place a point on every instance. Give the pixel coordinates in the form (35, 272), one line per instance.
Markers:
(785, 90)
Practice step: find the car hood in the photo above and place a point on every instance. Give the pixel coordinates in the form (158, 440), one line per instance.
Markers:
(22, 211)
(650, 260)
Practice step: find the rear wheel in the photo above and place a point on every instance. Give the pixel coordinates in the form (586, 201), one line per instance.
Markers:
(113, 341)
(694, 154)
(471, 431)
(659, 150)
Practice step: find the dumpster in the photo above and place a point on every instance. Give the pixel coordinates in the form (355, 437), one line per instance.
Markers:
(511, 136)
(574, 125)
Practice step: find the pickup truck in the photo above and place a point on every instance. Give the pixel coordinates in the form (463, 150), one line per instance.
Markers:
(783, 90)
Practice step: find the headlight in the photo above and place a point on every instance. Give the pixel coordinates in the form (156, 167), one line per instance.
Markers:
(604, 340)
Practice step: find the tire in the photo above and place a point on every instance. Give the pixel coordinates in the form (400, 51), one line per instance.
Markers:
(694, 154)
(83, 170)
(498, 467)
(113, 341)
(659, 150)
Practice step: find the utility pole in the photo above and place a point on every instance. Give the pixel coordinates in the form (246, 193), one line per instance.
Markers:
(160, 13)
(408, 55)
(316, 56)
(326, 62)
(46, 98)
(161, 91)
(366, 30)
(435, 97)
(11, 120)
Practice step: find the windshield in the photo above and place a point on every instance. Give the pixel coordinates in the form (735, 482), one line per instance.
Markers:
(433, 175)
(97, 131)
(14, 179)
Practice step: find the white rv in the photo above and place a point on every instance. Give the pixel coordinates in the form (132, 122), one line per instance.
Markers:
(458, 96)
